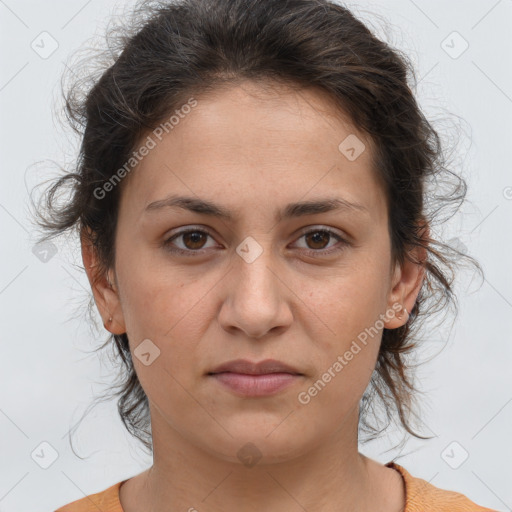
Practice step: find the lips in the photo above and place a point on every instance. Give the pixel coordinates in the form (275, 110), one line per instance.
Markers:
(243, 366)
(255, 380)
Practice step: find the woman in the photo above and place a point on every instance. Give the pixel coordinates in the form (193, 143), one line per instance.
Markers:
(251, 203)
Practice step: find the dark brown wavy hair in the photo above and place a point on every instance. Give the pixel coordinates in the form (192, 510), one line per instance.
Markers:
(170, 51)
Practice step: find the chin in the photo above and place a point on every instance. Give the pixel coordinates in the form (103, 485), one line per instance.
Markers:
(254, 444)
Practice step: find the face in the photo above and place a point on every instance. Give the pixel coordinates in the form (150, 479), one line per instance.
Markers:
(309, 287)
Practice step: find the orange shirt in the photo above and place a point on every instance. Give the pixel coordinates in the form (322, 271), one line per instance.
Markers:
(420, 496)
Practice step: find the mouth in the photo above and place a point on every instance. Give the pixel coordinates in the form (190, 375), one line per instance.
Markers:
(243, 366)
(246, 378)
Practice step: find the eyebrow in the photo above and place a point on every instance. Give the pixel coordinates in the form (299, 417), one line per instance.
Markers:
(291, 210)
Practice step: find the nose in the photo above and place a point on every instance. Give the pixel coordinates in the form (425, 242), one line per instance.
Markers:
(256, 294)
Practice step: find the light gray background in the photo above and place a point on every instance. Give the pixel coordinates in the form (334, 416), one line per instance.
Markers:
(49, 372)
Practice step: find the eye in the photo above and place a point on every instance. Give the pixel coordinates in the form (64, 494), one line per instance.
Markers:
(192, 241)
(319, 238)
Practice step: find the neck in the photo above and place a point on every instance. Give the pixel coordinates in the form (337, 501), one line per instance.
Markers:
(333, 476)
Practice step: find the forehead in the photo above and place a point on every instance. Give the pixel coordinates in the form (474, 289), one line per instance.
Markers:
(257, 142)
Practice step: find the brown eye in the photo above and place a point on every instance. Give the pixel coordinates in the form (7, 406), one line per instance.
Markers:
(191, 241)
(318, 239)
(194, 239)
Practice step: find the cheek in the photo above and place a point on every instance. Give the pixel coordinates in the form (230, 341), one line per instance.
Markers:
(173, 316)
(157, 299)
(348, 301)
(348, 306)
(174, 313)
(344, 363)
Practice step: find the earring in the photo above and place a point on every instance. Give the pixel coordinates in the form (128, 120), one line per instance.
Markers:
(402, 314)
(110, 320)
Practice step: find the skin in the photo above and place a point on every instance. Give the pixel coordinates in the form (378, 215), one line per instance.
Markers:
(253, 151)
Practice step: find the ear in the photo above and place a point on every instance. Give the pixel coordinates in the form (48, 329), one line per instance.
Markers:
(406, 284)
(104, 291)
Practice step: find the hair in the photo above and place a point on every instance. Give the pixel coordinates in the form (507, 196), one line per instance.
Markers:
(171, 51)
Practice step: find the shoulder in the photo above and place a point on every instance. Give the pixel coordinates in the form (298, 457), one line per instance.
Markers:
(421, 496)
(106, 501)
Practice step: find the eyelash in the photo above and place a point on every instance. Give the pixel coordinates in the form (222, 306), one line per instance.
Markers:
(309, 252)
